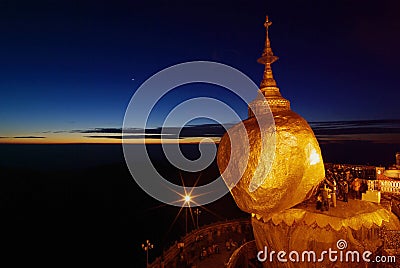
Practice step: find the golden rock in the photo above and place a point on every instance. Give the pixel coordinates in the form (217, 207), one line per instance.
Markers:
(296, 170)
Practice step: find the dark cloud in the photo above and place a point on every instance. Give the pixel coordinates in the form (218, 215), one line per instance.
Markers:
(29, 137)
(330, 131)
(104, 136)
(119, 137)
(356, 127)
(376, 131)
(98, 130)
(206, 130)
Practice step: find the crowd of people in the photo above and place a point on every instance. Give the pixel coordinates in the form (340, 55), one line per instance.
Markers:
(209, 250)
(339, 186)
(213, 248)
(211, 244)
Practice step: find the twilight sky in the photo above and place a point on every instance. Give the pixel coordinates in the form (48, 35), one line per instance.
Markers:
(69, 68)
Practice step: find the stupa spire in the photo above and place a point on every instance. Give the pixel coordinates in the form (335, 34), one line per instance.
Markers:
(267, 58)
(268, 86)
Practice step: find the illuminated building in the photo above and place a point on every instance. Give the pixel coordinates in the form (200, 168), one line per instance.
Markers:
(387, 180)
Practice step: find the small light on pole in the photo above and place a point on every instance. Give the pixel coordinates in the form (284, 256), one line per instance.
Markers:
(197, 212)
(146, 247)
(187, 200)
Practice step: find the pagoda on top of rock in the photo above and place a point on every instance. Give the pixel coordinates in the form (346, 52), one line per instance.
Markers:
(268, 86)
(297, 165)
(283, 215)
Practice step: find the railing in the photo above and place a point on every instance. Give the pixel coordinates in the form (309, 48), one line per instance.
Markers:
(241, 256)
(385, 186)
(171, 255)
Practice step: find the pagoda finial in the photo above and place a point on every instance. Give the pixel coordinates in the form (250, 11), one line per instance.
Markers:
(268, 86)
(267, 58)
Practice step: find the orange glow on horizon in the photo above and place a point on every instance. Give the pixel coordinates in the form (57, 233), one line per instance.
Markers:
(74, 139)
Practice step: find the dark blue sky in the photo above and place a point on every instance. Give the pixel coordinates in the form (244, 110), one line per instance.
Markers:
(68, 65)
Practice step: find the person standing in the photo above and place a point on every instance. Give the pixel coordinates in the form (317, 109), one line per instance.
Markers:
(319, 201)
(345, 190)
(356, 187)
(334, 193)
(325, 198)
(332, 184)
